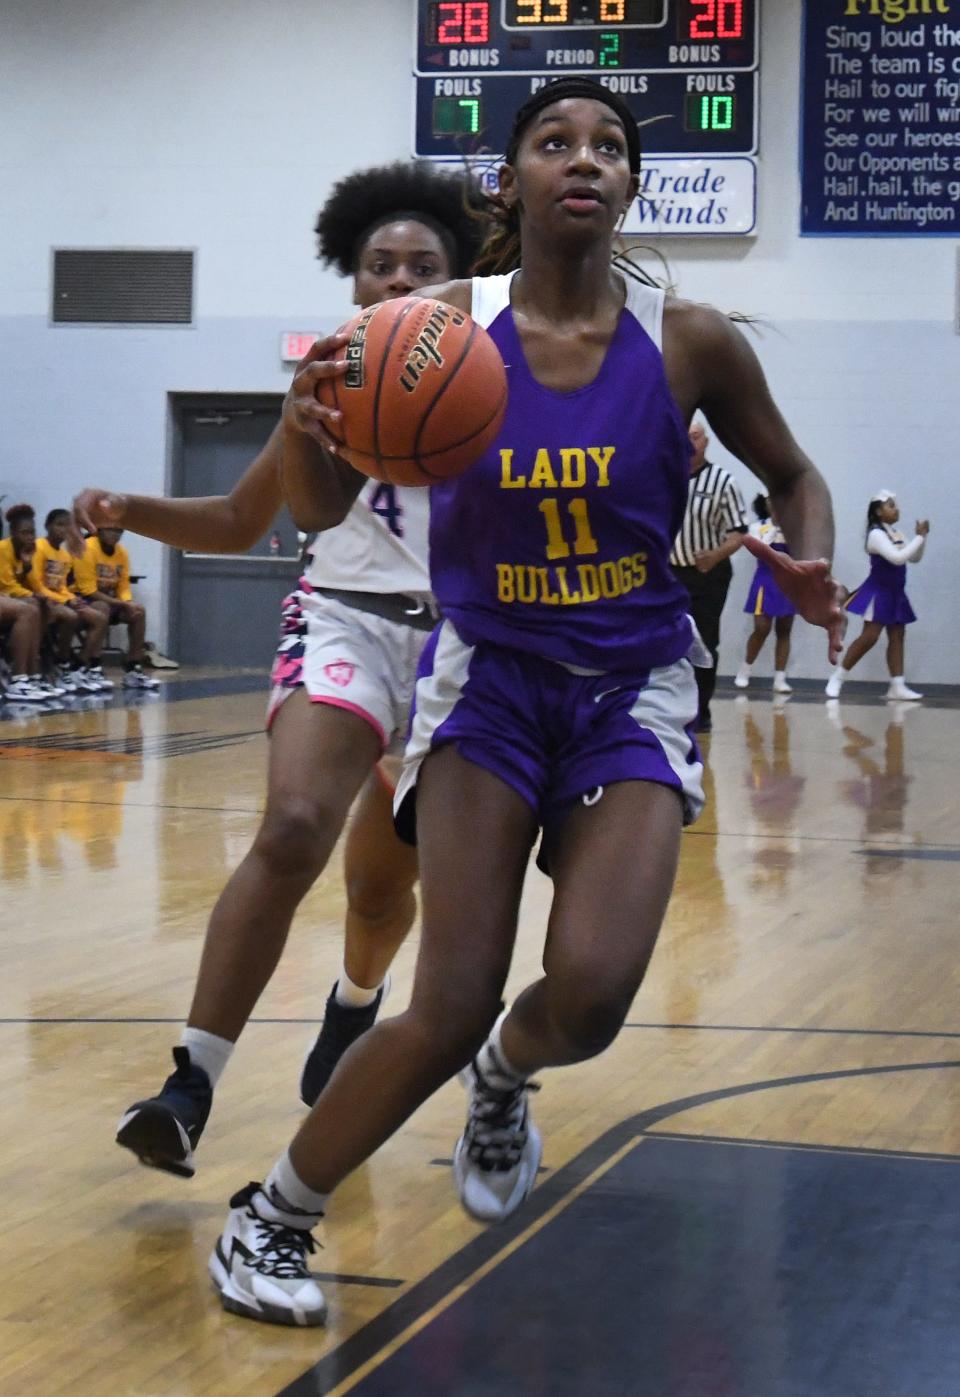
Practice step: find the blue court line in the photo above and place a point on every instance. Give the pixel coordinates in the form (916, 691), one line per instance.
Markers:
(670, 1027)
(799, 1028)
(137, 805)
(379, 1282)
(747, 1140)
(170, 691)
(895, 850)
(857, 693)
(393, 1322)
(943, 855)
(177, 690)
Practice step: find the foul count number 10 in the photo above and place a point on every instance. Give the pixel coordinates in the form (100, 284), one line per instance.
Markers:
(710, 113)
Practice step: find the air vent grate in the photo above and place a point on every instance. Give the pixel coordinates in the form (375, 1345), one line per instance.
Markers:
(111, 286)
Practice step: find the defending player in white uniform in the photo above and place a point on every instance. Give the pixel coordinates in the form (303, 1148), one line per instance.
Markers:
(352, 634)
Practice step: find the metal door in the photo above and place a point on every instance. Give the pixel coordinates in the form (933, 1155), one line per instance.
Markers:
(225, 608)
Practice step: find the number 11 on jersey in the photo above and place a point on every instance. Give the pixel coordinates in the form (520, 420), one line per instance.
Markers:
(584, 542)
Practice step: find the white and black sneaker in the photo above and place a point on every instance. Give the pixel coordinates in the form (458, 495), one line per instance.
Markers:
(497, 1157)
(23, 689)
(52, 690)
(96, 674)
(137, 678)
(259, 1265)
(163, 1131)
(85, 681)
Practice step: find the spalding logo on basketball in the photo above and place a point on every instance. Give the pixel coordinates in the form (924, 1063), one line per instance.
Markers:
(424, 393)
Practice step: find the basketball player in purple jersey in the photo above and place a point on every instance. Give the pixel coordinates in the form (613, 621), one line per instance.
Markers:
(351, 636)
(557, 694)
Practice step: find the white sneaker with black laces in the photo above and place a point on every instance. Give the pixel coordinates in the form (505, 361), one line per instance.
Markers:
(22, 689)
(86, 682)
(137, 678)
(496, 1159)
(52, 691)
(259, 1266)
(96, 674)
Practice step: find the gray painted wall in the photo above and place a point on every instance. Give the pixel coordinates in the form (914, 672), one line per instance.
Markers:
(221, 127)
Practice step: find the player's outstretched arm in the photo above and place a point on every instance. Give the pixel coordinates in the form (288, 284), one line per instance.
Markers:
(733, 393)
(319, 487)
(452, 293)
(204, 524)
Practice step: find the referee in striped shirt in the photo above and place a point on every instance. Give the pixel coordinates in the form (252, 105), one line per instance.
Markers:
(714, 526)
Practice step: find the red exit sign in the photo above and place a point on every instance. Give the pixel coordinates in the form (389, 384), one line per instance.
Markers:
(295, 343)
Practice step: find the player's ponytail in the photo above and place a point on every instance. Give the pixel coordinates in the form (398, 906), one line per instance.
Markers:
(873, 518)
(500, 251)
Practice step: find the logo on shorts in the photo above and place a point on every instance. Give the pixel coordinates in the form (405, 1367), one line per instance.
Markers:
(340, 672)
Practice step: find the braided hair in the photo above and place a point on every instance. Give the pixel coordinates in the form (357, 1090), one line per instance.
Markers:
(501, 249)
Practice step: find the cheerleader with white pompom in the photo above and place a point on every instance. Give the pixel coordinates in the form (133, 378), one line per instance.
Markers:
(882, 600)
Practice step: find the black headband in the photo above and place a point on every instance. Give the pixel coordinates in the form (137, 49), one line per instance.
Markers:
(561, 88)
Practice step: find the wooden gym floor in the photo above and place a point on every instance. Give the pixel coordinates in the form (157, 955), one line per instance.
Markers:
(753, 1193)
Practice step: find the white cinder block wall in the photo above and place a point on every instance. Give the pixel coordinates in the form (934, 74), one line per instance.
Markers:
(221, 126)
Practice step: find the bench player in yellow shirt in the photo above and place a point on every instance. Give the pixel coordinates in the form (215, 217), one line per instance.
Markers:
(68, 613)
(103, 580)
(21, 616)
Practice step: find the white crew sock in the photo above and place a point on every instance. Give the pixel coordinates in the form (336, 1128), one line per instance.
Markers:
(899, 689)
(288, 1199)
(351, 995)
(780, 685)
(835, 683)
(207, 1051)
(494, 1066)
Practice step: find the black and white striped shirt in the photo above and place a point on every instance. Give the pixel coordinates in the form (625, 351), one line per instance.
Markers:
(715, 508)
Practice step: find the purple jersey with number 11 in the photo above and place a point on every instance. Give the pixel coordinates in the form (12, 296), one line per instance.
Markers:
(557, 541)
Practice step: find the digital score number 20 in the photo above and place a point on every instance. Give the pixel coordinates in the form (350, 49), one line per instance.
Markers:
(711, 19)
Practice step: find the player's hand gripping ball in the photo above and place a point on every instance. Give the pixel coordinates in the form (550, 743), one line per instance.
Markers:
(424, 393)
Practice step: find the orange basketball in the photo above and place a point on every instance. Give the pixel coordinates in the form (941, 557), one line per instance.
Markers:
(424, 394)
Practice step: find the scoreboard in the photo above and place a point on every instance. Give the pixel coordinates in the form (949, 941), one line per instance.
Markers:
(688, 69)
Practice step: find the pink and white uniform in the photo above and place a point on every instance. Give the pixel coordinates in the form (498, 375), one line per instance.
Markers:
(353, 630)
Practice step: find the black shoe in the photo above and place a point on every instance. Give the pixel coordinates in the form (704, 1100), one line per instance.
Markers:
(340, 1028)
(704, 723)
(164, 1130)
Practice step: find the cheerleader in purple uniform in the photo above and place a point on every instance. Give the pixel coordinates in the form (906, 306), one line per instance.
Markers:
(767, 604)
(882, 599)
